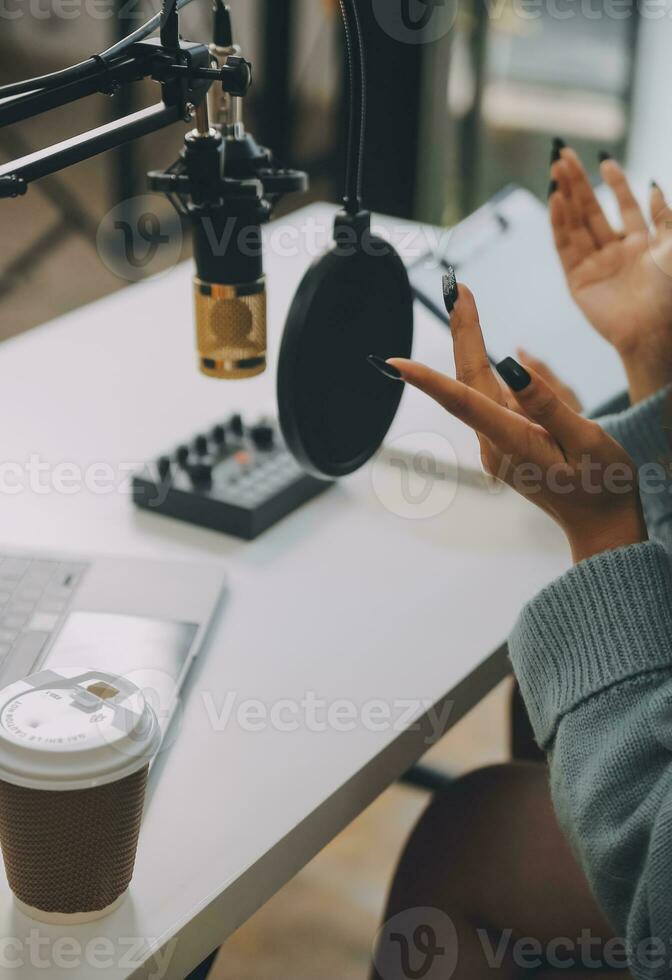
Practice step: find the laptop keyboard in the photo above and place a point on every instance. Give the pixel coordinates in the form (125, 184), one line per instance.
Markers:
(34, 598)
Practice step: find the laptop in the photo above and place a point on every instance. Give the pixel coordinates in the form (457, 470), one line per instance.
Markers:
(145, 620)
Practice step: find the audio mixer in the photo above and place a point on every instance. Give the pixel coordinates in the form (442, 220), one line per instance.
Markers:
(235, 478)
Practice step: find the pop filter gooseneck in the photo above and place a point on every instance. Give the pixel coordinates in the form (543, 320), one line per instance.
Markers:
(354, 301)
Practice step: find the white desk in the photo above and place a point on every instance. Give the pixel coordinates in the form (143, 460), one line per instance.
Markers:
(344, 599)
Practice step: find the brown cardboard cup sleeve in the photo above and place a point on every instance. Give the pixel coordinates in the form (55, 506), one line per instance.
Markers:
(75, 749)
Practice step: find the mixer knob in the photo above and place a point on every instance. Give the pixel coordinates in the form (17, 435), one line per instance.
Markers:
(201, 445)
(163, 467)
(263, 435)
(219, 435)
(201, 474)
(236, 425)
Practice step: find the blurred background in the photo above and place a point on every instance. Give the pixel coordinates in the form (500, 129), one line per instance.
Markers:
(452, 120)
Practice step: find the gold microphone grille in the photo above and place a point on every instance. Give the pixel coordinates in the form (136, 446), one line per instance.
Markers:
(230, 329)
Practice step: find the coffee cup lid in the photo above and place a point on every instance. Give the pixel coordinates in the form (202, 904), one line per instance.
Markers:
(68, 728)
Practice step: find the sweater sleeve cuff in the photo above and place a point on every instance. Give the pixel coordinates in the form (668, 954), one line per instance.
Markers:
(606, 620)
(620, 403)
(645, 430)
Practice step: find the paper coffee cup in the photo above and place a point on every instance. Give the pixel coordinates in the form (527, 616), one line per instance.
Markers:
(75, 748)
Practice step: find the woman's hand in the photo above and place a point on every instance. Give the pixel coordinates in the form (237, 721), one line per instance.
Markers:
(535, 442)
(621, 281)
(556, 384)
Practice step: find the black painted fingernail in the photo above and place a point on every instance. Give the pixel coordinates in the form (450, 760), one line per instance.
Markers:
(380, 364)
(552, 188)
(557, 145)
(450, 290)
(514, 374)
(654, 185)
(603, 155)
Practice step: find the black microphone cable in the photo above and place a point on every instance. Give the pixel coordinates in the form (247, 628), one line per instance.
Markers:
(89, 67)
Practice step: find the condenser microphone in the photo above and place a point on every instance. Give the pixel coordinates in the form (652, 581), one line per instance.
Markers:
(226, 185)
(229, 287)
(229, 294)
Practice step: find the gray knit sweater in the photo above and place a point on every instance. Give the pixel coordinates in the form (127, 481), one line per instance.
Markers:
(593, 655)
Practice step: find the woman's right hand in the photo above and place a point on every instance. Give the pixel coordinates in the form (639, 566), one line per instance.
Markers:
(536, 443)
(622, 281)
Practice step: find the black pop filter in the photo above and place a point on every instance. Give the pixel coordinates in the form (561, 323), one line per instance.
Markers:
(335, 410)
(356, 300)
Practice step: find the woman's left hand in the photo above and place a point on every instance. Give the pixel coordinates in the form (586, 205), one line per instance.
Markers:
(620, 280)
(536, 443)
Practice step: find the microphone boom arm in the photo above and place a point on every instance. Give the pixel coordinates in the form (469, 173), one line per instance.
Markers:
(224, 183)
(185, 74)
